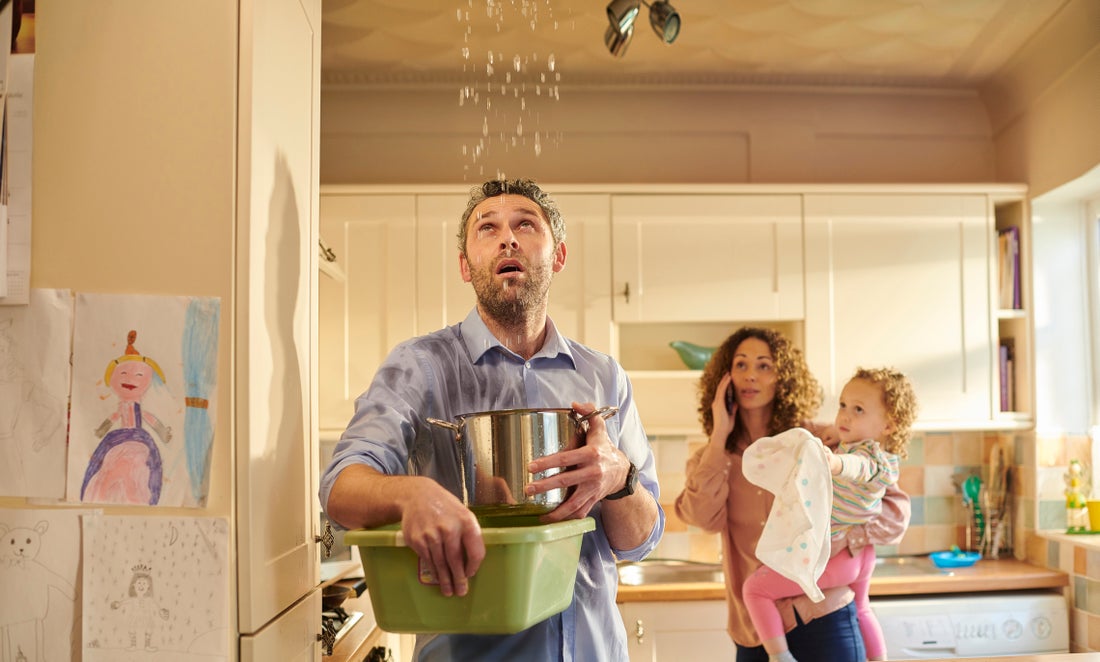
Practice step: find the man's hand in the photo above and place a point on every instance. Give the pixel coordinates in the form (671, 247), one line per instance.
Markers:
(445, 535)
(593, 470)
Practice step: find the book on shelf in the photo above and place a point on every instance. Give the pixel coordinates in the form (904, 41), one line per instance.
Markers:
(1006, 365)
(1008, 267)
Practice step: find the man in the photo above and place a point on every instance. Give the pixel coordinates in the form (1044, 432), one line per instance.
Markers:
(391, 465)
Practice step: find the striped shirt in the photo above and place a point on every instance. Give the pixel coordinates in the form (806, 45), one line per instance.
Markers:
(867, 470)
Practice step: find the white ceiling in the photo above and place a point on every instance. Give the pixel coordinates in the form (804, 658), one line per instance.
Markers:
(923, 43)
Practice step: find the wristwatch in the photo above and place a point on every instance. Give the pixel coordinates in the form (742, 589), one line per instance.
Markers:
(631, 482)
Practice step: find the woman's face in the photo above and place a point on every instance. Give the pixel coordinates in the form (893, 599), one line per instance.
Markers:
(754, 374)
(130, 380)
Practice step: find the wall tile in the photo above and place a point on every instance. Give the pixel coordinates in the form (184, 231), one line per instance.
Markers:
(967, 450)
(916, 451)
(1094, 633)
(939, 510)
(939, 448)
(911, 480)
(916, 505)
(938, 480)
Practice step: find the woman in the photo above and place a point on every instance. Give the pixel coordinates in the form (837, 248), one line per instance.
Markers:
(756, 385)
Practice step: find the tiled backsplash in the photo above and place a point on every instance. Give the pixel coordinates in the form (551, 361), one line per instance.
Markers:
(928, 476)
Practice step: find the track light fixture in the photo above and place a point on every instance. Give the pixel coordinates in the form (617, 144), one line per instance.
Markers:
(663, 18)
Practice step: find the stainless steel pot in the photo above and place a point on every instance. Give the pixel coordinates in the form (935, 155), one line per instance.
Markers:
(495, 447)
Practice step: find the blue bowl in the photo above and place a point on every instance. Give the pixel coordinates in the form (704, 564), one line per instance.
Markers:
(954, 559)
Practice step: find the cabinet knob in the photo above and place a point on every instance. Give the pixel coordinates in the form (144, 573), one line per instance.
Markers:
(626, 292)
(327, 539)
(639, 630)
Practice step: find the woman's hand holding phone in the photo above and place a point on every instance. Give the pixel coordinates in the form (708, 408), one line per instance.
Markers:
(723, 409)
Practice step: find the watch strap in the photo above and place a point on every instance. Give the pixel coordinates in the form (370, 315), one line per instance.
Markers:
(628, 489)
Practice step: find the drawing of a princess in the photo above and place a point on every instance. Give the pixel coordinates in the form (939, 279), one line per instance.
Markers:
(126, 465)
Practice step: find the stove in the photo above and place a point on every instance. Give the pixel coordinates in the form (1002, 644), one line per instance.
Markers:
(335, 623)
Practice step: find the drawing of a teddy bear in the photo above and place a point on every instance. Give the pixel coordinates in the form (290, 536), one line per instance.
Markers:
(21, 630)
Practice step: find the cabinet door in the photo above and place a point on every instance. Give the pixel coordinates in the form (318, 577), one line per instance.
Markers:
(274, 389)
(903, 281)
(292, 637)
(694, 258)
(579, 296)
(362, 318)
(690, 630)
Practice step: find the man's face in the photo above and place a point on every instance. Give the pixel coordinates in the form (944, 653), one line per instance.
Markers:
(510, 256)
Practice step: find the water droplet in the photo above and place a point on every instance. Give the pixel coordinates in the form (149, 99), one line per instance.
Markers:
(519, 128)
(542, 77)
(489, 70)
(465, 53)
(550, 62)
(538, 145)
(490, 57)
(523, 103)
(485, 126)
(516, 62)
(488, 103)
(508, 77)
(461, 98)
(538, 90)
(458, 14)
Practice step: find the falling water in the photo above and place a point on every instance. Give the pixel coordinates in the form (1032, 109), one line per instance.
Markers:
(508, 123)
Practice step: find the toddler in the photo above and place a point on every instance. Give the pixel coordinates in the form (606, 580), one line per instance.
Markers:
(877, 408)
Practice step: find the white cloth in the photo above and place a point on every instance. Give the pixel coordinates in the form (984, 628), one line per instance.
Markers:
(795, 541)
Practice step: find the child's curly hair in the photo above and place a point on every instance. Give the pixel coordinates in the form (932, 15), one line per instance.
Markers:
(797, 393)
(901, 405)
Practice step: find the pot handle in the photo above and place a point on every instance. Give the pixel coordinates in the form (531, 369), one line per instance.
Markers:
(445, 424)
(602, 412)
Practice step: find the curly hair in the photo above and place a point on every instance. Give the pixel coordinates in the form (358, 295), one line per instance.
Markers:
(797, 393)
(901, 405)
(525, 187)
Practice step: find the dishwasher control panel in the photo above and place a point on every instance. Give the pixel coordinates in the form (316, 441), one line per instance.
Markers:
(973, 625)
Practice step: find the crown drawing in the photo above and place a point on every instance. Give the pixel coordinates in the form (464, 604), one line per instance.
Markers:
(141, 567)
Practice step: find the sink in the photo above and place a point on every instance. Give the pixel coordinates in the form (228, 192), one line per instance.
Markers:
(669, 571)
(907, 566)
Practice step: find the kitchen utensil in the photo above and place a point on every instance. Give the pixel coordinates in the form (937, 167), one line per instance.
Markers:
(527, 575)
(334, 595)
(972, 487)
(495, 447)
(954, 559)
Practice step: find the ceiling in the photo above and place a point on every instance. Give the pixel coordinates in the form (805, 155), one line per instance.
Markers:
(908, 43)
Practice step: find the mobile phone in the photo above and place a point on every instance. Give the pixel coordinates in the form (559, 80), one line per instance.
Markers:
(730, 398)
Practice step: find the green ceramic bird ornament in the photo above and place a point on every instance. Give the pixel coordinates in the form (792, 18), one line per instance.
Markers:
(694, 356)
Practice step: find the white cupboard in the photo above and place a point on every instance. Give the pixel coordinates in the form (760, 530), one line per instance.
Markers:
(688, 630)
(186, 136)
(855, 275)
(703, 257)
(903, 280)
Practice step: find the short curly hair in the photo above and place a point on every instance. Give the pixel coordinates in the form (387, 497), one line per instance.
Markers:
(901, 405)
(797, 392)
(525, 187)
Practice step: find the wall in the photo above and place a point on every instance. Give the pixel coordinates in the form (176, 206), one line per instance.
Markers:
(677, 135)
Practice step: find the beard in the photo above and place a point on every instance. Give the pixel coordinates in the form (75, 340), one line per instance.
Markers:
(511, 303)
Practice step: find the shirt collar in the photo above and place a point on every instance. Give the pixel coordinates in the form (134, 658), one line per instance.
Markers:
(479, 340)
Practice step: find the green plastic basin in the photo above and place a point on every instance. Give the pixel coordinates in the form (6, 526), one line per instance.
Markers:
(527, 576)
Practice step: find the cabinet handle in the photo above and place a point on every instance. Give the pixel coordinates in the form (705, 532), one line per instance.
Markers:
(327, 638)
(327, 539)
(626, 292)
(639, 630)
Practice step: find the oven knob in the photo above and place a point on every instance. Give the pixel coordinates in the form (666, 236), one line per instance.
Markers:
(1013, 628)
(1041, 627)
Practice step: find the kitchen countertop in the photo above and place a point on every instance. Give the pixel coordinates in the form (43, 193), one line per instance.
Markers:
(985, 575)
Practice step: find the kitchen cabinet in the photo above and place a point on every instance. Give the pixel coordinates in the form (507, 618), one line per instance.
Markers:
(705, 258)
(904, 280)
(192, 171)
(687, 630)
(400, 255)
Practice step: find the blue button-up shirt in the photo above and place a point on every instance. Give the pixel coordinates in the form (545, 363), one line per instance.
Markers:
(464, 369)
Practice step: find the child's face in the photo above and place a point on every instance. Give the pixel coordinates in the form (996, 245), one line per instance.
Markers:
(131, 380)
(862, 412)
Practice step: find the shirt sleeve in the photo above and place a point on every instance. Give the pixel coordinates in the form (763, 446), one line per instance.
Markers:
(706, 489)
(886, 529)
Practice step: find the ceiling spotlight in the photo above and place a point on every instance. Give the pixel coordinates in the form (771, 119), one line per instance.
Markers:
(617, 41)
(665, 21)
(621, 15)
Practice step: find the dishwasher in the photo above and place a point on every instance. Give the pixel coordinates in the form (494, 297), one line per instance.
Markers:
(973, 624)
